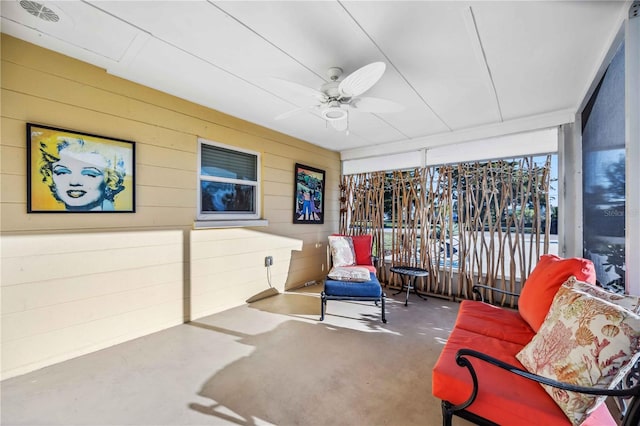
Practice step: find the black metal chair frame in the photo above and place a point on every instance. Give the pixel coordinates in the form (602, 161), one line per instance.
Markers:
(324, 297)
(631, 414)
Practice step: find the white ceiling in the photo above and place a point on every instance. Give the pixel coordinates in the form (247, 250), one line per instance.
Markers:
(458, 67)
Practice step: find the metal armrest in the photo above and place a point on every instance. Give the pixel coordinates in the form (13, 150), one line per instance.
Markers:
(476, 289)
(631, 417)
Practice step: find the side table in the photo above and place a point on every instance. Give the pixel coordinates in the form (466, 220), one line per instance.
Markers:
(406, 273)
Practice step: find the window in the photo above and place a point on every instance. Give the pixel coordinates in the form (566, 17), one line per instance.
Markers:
(229, 182)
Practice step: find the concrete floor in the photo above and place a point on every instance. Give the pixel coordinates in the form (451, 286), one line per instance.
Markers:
(271, 362)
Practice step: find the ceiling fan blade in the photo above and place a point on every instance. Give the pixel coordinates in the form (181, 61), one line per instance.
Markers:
(340, 125)
(361, 79)
(369, 104)
(298, 90)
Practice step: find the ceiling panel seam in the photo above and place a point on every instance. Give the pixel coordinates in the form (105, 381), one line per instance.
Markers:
(395, 67)
(265, 39)
(391, 125)
(106, 12)
(476, 42)
(189, 53)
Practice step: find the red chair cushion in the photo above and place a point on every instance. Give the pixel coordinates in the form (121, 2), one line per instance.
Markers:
(362, 248)
(545, 280)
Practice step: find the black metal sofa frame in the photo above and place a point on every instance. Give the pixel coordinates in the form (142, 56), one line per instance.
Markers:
(627, 392)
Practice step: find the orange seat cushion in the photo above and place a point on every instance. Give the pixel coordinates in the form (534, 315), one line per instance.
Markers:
(544, 281)
(503, 397)
(492, 321)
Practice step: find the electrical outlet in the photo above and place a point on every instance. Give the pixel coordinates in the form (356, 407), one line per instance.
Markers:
(268, 261)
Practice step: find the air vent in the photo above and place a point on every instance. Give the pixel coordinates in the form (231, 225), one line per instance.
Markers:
(634, 11)
(39, 11)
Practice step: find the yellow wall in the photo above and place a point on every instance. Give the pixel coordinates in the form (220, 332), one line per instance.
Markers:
(75, 283)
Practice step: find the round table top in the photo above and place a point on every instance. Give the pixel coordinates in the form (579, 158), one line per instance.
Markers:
(409, 270)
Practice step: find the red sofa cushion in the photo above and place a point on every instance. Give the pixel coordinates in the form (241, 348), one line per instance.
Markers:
(545, 280)
(503, 398)
(492, 321)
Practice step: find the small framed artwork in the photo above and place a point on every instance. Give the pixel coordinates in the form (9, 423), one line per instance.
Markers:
(73, 172)
(308, 198)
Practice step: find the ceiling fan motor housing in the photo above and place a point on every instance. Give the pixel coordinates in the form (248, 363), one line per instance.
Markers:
(334, 73)
(331, 89)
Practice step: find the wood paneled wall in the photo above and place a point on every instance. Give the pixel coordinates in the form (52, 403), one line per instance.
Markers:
(75, 283)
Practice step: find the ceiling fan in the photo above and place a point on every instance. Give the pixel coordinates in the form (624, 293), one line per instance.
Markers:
(336, 99)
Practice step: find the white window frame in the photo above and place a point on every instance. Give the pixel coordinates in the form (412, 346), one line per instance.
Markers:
(237, 216)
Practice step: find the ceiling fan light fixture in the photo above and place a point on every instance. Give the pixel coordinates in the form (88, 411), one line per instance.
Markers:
(333, 112)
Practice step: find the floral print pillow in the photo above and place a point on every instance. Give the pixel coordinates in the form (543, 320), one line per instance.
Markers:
(342, 252)
(585, 341)
(627, 301)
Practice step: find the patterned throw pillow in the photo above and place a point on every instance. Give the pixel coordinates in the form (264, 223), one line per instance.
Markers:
(349, 273)
(342, 250)
(585, 341)
(627, 301)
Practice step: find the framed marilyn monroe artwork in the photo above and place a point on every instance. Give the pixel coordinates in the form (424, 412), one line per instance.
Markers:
(74, 172)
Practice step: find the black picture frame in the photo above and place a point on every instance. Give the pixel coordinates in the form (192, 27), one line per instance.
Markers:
(308, 195)
(75, 172)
